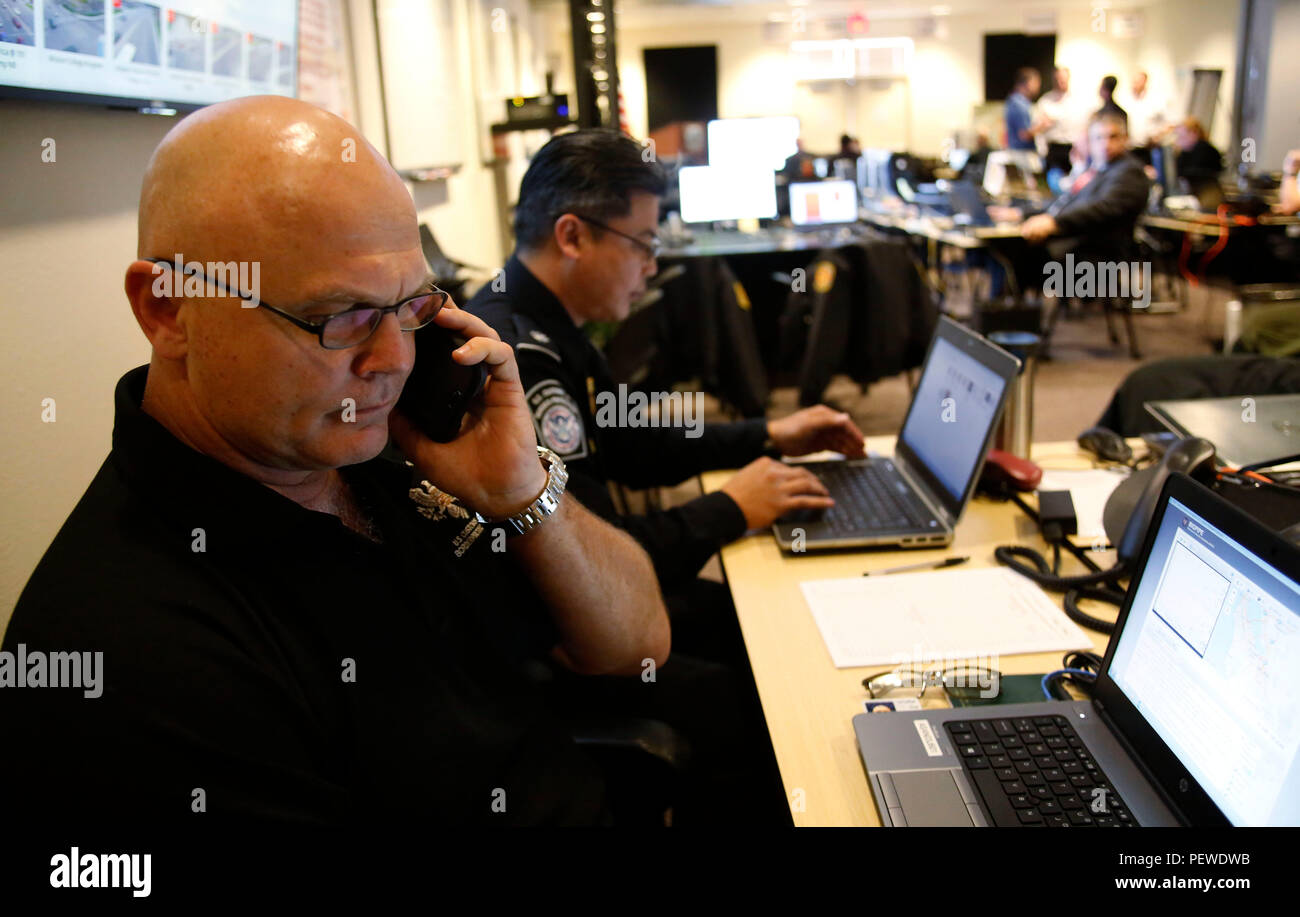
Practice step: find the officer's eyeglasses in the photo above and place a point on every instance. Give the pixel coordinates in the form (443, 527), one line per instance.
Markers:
(964, 682)
(650, 249)
(351, 326)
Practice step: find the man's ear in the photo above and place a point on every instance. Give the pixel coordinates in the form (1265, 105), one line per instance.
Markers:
(570, 235)
(155, 294)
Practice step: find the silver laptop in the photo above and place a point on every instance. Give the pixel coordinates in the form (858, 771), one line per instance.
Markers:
(1245, 429)
(915, 497)
(1194, 718)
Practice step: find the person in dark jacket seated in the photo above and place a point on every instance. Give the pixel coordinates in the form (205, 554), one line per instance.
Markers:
(586, 243)
(1198, 160)
(282, 632)
(1093, 221)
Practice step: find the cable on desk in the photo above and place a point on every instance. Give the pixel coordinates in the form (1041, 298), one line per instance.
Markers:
(1079, 667)
(1081, 677)
(1098, 585)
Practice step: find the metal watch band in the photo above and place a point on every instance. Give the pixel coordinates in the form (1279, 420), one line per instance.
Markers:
(533, 515)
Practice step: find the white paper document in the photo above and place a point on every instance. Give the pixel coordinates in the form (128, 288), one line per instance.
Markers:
(938, 616)
(1089, 489)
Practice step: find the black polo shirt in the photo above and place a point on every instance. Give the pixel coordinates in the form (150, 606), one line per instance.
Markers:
(564, 375)
(276, 661)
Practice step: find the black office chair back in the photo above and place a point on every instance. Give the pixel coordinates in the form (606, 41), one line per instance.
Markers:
(439, 263)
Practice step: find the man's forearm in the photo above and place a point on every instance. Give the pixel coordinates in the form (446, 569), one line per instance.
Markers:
(601, 590)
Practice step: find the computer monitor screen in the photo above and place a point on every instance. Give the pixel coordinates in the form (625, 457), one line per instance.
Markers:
(750, 141)
(709, 194)
(873, 172)
(1164, 161)
(1208, 656)
(816, 203)
(952, 412)
(1012, 172)
(186, 52)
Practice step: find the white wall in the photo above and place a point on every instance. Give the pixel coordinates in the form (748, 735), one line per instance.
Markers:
(946, 82)
(67, 232)
(1281, 113)
(1181, 37)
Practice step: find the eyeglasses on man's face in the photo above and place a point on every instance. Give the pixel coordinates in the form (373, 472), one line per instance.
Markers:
(649, 249)
(351, 326)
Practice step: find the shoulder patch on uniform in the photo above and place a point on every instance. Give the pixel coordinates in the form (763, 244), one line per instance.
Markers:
(524, 345)
(557, 418)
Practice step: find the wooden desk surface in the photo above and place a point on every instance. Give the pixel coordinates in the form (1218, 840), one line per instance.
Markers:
(945, 231)
(810, 704)
(1206, 224)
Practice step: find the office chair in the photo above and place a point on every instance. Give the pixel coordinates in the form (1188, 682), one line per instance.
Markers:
(814, 325)
(643, 760)
(1125, 252)
(448, 272)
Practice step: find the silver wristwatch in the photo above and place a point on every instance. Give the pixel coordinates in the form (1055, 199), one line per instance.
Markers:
(533, 515)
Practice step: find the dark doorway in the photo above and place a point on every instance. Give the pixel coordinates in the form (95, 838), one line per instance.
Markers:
(681, 84)
(1005, 54)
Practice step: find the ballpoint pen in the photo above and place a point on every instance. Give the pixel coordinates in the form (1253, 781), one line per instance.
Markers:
(927, 565)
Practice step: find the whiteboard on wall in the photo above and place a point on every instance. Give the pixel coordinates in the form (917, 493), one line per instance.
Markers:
(425, 100)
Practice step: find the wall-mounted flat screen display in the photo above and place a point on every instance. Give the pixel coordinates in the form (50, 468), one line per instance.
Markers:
(182, 53)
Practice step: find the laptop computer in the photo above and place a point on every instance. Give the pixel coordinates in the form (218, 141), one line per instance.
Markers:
(915, 497)
(826, 203)
(968, 205)
(1194, 716)
(1266, 429)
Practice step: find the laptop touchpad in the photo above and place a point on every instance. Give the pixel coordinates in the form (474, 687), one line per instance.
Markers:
(930, 799)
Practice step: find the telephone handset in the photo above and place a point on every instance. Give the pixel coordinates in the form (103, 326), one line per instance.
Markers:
(1130, 510)
(439, 390)
(1193, 456)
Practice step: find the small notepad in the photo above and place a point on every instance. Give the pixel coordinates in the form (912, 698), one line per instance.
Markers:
(945, 614)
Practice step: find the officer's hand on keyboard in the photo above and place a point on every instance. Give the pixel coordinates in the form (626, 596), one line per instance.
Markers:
(766, 489)
(814, 429)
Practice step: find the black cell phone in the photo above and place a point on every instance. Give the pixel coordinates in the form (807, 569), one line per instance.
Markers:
(439, 390)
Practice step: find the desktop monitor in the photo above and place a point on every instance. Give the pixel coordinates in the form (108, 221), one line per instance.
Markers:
(819, 203)
(148, 55)
(873, 172)
(1164, 160)
(1012, 172)
(710, 194)
(750, 141)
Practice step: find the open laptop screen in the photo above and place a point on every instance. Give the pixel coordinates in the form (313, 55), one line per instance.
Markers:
(954, 409)
(1208, 656)
(816, 203)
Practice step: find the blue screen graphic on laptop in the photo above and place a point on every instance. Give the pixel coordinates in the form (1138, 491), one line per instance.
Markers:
(951, 414)
(1209, 655)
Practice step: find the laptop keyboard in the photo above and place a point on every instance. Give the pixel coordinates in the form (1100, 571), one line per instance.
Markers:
(1036, 771)
(871, 496)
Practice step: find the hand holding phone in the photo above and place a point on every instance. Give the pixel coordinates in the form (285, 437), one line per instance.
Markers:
(439, 390)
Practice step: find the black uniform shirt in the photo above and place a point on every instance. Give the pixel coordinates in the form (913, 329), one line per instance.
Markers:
(564, 375)
(265, 654)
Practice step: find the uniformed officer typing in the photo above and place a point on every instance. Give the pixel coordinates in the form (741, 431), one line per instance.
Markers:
(585, 230)
(585, 245)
